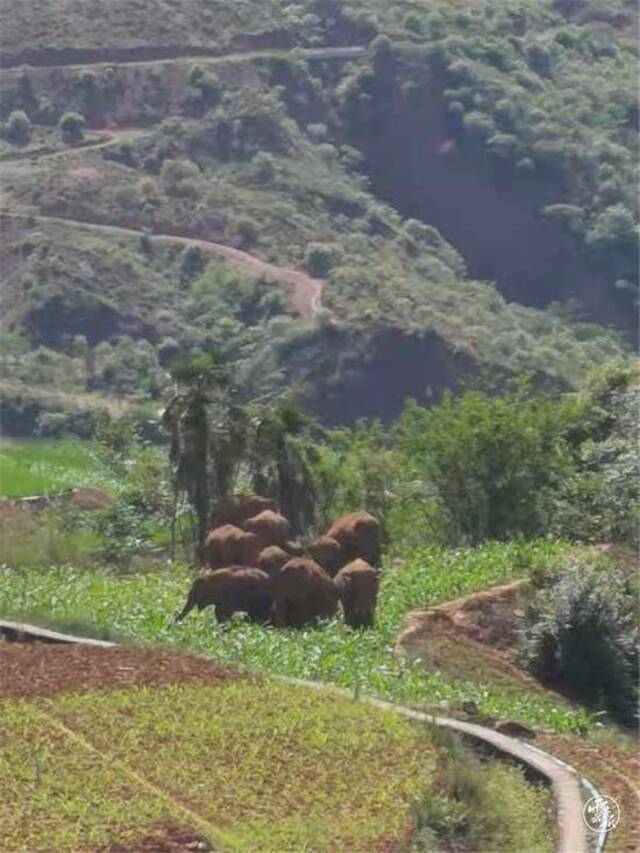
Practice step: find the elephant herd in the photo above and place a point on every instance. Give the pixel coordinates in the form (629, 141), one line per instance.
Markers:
(253, 565)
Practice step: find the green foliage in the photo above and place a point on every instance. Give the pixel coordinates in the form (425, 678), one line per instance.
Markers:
(263, 166)
(614, 230)
(379, 762)
(180, 177)
(599, 500)
(143, 606)
(18, 128)
(39, 467)
(248, 230)
(482, 805)
(493, 462)
(319, 259)
(582, 631)
(192, 264)
(71, 125)
(204, 89)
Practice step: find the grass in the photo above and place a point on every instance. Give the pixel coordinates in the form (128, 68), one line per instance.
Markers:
(142, 607)
(482, 805)
(44, 467)
(271, 766)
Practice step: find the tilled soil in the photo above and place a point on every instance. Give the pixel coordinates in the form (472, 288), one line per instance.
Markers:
(165, 839)
(29, 670)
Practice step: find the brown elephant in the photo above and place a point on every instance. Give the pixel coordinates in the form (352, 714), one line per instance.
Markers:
(357, 585)
(327, 552)
(272, 559)
(270, 527)
(359, 536)
(231, 590)
(236, 509)
(229, 545)
(293, 548)
(302, 593)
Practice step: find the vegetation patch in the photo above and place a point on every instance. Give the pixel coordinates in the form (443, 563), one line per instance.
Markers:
(143, 606)
(482, 805)
(273, 767)
(41, 468)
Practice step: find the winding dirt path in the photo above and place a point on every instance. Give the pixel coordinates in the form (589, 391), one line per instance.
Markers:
(163, 54)
(305, 291)
(105, 139)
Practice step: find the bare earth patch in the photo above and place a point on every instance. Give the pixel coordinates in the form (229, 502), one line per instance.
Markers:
(471, 638)
(29, 670)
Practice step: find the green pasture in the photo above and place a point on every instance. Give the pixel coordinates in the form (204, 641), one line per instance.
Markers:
(45, 467)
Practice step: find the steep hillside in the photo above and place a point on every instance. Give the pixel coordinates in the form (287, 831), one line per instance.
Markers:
(220, 198)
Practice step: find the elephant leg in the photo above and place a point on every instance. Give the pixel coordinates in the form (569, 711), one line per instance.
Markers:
(280, 611)
(186, 610)
(223, 613)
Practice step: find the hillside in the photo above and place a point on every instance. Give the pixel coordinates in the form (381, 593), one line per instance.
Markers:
(383, 197)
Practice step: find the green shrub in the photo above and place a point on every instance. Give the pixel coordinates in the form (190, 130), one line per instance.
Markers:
(71, 125)
(481, 805)
(18, 128)
(582, 633)
(192, 263)
(319, 259)
(203, 89)
(180, 177)
(493, 462)
(248, 230)
(263, 166)
(614, 230)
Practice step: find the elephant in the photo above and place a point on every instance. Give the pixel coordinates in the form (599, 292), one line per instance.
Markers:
(236, 509)
(327, 552)
(229, 591)
(270, 527)
(359, 536)
(272, 559)
(302, 593)
(229, 545)
(357, 585)
(294, 548)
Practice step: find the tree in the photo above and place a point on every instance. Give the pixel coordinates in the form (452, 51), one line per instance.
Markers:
(494, 462)
(283, 460)
(319, 259)
(213, 414)
(18, 128)
(71, 125)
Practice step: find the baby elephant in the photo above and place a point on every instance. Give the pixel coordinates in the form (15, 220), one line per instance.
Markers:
(229, 591)
(357, 585)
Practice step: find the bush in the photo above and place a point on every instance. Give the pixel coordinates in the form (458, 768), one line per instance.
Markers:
(18, 128)
(180, 177)
(192, 263)
(71, 125)
(614, 230)
(203, 88)
(319, 259)
(248, 231)
(495, 463)
(264, 167)
(582, 632)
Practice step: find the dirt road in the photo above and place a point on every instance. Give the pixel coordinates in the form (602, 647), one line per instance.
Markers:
(305, 292)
